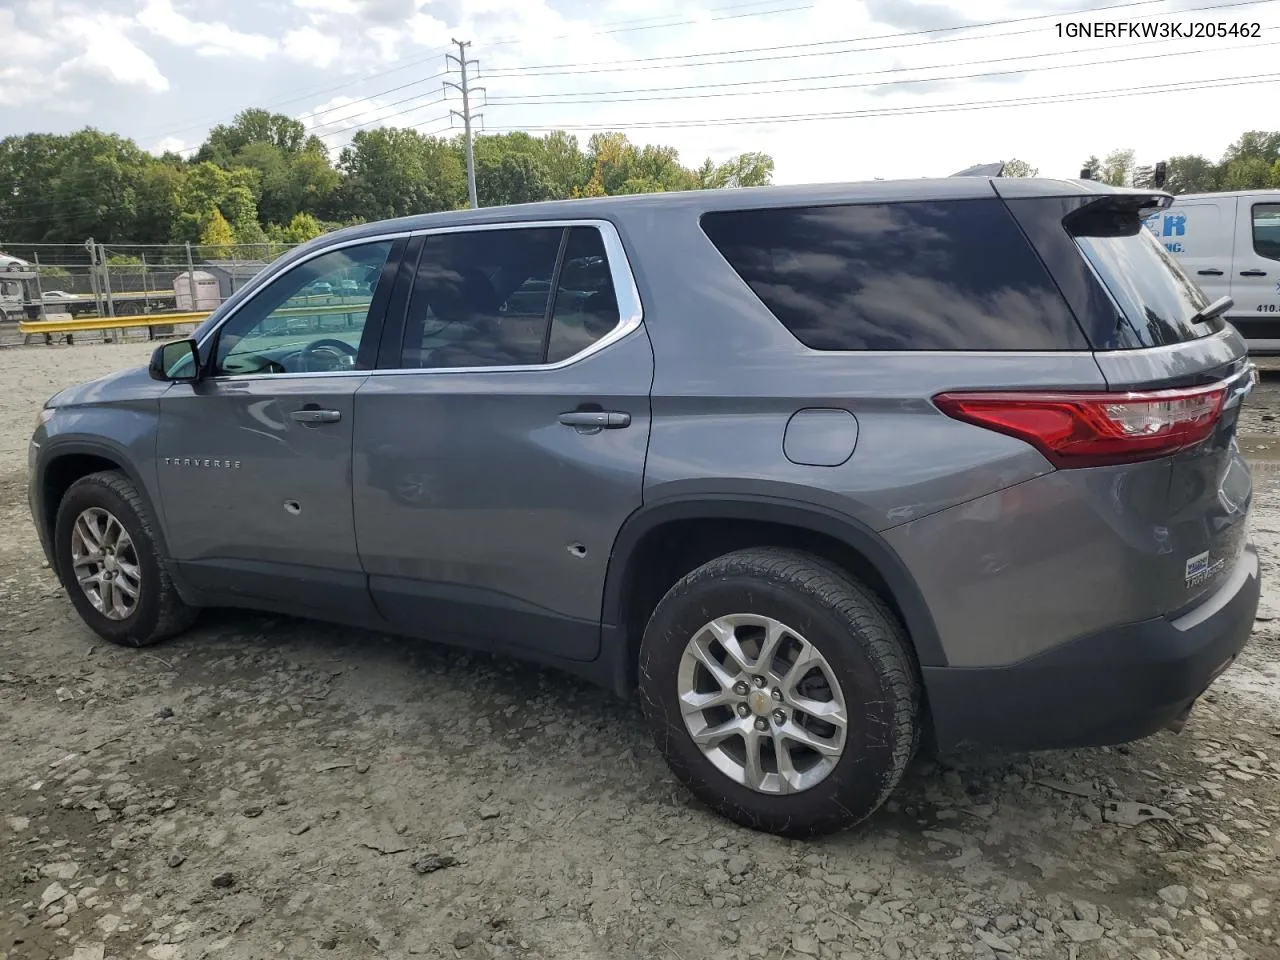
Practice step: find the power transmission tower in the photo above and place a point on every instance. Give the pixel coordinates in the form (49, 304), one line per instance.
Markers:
(466, 90)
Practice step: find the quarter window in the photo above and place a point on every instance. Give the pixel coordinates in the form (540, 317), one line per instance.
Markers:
(1266, 230)
(925, 275)
(586, 308)
(508, 298)
(310, 319)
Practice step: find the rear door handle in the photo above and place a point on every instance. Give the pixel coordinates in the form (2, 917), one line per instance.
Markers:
(317, 416)
(1253, 273)
(1210, 273)
(597, 419)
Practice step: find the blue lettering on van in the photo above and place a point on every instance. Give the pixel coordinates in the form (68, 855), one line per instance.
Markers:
(1173, 247)
(1175, 225)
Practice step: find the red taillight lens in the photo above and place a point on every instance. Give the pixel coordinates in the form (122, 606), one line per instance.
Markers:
(1095, 429)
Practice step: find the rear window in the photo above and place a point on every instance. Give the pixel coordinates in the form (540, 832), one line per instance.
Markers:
(931, 275)
(1156, 298)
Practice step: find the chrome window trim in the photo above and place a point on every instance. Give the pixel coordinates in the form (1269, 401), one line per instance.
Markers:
(627, 294)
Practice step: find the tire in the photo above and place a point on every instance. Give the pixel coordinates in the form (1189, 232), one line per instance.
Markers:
(158, 612)
(862, 646)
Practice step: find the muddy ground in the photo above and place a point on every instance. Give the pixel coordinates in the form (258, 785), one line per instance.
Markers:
(269, 788)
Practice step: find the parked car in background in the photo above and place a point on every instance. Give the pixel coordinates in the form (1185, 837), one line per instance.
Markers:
(1229, 244)
(823, 472)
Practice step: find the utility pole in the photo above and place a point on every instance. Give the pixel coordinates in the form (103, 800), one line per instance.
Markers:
(466, 91)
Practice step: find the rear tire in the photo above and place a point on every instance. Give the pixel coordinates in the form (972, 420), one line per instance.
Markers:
(814, 772)
(104, 536)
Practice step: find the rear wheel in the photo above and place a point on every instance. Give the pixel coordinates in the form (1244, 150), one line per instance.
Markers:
(780, 691)
(109, 565)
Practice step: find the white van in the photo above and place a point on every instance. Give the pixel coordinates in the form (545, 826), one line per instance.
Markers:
(1229, 244)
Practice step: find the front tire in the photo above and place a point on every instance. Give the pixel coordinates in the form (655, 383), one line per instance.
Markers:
(109, 565)
(781, 691)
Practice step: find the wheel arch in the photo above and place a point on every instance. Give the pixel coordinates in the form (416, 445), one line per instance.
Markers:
(65, 462)
(742, 520)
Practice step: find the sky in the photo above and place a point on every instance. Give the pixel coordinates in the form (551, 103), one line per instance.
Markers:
(833, 90)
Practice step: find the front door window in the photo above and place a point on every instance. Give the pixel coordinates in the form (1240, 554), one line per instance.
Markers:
(310, 319)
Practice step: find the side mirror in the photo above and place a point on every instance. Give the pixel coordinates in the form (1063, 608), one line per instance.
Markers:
(178, 360)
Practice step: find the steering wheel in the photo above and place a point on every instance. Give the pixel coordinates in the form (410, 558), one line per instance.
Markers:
(343, 353)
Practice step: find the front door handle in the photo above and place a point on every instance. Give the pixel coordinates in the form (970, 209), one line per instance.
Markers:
(596, 419)
(1212, 272)
(1253, 273)
(312, 415)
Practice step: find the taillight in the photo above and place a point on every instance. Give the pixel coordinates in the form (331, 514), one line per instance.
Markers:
(1095, 429)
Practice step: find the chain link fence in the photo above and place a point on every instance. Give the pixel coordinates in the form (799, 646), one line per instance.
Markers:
(60, 281)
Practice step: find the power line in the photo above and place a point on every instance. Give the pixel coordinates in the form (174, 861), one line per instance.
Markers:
(349, 103)
(1041, 99)
(512, 101)
(532, 98)
(203, 124)
(603, 29)
(660, 63)
(736, 15)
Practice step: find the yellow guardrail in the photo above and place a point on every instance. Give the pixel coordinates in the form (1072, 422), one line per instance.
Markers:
(82, 324)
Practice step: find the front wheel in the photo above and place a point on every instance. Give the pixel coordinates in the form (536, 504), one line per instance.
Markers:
(107, 560)
(780, 691)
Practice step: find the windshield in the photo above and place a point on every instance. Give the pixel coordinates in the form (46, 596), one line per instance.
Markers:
(1157, 299)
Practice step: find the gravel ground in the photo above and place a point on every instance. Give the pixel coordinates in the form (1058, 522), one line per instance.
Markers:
(272, 788)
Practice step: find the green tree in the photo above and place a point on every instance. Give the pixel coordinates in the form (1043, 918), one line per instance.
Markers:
(1019, 168)
(1247, 173)
(1117, 168)
(393, 173)
(226, 141)
(744, 170)
(64, 188)
(1191, 174)
(162, 190)
(1254, 145)
(216, 236)
(300, 229)
(513, 178)
(567, 166)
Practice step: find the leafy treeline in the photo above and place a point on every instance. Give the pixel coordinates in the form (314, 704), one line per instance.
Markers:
(263, 178)
(1251, 163)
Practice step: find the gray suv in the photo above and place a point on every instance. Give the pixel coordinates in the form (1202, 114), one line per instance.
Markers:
(824, 472)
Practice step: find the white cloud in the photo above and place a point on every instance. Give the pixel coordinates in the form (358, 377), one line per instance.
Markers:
(328, 6)
(49, 47)
(108, 54)
(209, 38)
(170, 145)
(309, 45)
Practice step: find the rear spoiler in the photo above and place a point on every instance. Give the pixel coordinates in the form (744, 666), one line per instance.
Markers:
(982, 170)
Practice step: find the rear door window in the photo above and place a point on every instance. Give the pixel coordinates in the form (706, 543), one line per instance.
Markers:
(931, 275)
(508, 297)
